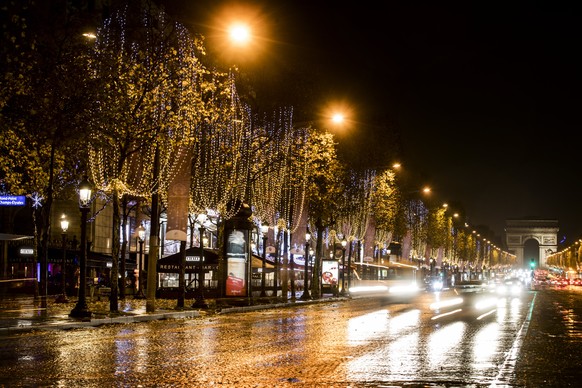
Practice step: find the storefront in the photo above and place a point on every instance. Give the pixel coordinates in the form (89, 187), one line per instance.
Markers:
(169, 269)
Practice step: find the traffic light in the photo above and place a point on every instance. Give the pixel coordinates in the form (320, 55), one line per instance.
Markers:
(532, 263)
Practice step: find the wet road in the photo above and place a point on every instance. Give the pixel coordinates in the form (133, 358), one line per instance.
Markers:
(530, 341)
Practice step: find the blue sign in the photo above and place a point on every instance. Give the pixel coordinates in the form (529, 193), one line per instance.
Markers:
(12, 200)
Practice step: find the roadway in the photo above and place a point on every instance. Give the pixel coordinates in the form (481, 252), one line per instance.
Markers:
(530, 340)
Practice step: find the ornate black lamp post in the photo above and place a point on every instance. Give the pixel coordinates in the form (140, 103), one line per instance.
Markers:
(199, 301)
(350, 268)
(306, 295)
(81, 310)
(344, 243)
(140, 263)
(62, 298)
(264, 231)
(292, 274)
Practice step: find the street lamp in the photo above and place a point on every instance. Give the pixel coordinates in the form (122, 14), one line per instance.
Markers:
(306, 295)
(140, 265)
(292, 275)
(350, 266)
(264, 231)
(64, 226)
(200, 302)
(344, 243)
(81, 310)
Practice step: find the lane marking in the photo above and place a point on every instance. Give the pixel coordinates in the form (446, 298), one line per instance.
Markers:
(508, 366)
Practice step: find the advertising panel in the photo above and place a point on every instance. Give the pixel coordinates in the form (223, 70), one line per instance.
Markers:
(329, 273)
(236, 262)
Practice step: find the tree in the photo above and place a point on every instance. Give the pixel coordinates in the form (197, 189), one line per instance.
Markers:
(385, 204)
(437, 229)
(324, 188)
(356, 205)
(42, 111)
(151, 101)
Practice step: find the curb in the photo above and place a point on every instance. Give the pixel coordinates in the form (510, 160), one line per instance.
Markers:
(95, 322)
(66, 324)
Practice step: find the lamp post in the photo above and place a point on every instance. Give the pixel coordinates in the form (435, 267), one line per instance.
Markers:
(62, 298)
(292, 274)
(199, 301)
(306, 295)
(264, 231)
(140, 264)
(81, 310)
(350, 264)
(344, 243)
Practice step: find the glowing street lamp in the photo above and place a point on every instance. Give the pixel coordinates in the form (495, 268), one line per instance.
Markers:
(81, 310)
(239, 34)
(62, 298)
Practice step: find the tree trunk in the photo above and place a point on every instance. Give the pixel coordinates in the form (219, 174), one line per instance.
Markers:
(154, 240)
(113, 298)
(122, 264)
(316, 276)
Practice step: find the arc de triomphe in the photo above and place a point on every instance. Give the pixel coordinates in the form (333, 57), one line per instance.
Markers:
(543, 231)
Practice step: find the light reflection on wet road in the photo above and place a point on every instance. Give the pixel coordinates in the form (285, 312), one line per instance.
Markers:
(357, 343)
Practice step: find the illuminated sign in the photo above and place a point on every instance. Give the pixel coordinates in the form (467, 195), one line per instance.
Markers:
(12, 200)
(25, 251)
(236, 259)
(330, 272)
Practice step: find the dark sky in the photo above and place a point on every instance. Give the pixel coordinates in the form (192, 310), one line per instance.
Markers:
(485, 95)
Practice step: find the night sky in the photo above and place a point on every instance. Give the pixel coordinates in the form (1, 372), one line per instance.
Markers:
(484, 96)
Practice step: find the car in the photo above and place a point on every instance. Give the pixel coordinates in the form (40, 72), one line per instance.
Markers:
(467, 300)
(464, 303)
(469, 286)
(562, 282)
(510, 286)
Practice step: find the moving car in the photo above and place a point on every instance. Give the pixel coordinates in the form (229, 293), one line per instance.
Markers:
(510, 287)
(464, 300)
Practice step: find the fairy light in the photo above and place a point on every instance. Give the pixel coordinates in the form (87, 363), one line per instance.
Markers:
(226, 145)
(166, 120)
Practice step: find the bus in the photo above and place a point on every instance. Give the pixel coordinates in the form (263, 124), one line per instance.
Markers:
(392, 279)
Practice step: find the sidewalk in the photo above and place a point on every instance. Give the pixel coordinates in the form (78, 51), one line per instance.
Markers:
(24, 313)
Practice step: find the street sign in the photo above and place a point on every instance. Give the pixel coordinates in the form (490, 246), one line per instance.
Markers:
(12, 200)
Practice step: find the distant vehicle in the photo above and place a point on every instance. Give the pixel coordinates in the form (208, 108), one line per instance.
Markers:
(560, 282)
(511, 286)
(471, 286)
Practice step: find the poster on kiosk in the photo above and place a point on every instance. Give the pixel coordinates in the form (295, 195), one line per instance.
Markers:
(236, 262)
(329, 273)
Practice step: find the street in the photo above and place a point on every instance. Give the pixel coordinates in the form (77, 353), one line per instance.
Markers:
(532, 340)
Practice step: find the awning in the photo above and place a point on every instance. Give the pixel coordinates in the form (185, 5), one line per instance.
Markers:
(14, 237)
(258, 262)
(171, 263)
